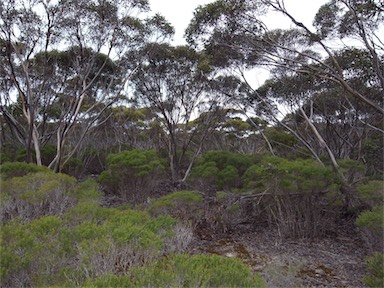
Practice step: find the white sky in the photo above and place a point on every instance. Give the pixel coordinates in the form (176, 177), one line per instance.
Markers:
(180, 12)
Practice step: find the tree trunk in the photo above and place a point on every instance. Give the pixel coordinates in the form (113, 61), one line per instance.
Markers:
(346, 188)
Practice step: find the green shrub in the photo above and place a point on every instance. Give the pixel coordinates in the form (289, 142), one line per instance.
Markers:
(17, 169)
(33, 252)
(222, 169)
(300, 175)
(87, 241)
(8, 152)
(372, 192)
(375, 266)
(372, 219)
(185, 271)
(296, 194)
(353, 170)
(48, 153)
(36, 195)
(43, 193)
(179, 197)
(180, 204)
(132, 174)
(371, 224)
(280, 141)
(73, 167)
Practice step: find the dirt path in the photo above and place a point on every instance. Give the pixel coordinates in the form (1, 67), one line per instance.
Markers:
(328, 262)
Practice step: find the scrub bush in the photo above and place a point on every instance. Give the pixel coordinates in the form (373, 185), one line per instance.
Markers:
(375, 266)
(371, 221)
(183, 270)
(371, 224)
(85, 242)
(221, 169)
(181, 204)
(42, 194)
(132, 174)
(298, 196)
(17, 169)
(372, 192)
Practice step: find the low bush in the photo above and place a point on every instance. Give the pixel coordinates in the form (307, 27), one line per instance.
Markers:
(183, 270)
(42, 194)
(17, 169)
(372, 192)
(220, 169)
(183, 205)
(85, 242)
(371, 224)
(375, 267)
(296, 195)
(132, 174)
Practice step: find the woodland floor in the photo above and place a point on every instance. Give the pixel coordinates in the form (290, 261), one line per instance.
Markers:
(336, 261)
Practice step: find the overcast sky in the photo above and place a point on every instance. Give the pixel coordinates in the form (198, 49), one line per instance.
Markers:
(180, 12)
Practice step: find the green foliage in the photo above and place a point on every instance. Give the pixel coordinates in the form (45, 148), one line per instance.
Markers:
(221, 168)
(88, 190)
(74, 244)
(371, 224)
(185, 197)
(141, 163)
(353, 170)
(8, 152)
(285, 175)
(227, 176)
(375, 266)
(372, 192)
(72, 167)
(372, 147)
(281, 140)
(42, 193)
(298, 194)
(185, 271)
(180, 204)
(33, 246)
(18, 169)
(131, 174)
(372, 219)
(48, 152)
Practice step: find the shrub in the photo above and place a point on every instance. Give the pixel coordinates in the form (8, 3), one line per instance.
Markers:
(73, 167)
(295, 194)
(34, 252)
(131, 174)
(185, 271)
(182, 204)
(280, 140)
(372, 192)
(371, 224)
(289, 175)
(85, 242)
(222, 169)
(8, 152)
(17, 169)
(38, 194)
(375, 266)
(48, 153)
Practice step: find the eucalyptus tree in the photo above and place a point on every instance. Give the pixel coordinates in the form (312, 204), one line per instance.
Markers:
(65, 62)
(174, 82)
(344, 124)
(234, 133)
(234, 33)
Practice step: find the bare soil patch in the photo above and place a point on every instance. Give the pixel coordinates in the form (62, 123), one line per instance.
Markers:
(336, 261)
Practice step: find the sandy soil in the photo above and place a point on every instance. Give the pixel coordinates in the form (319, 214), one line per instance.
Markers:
(336, 261)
